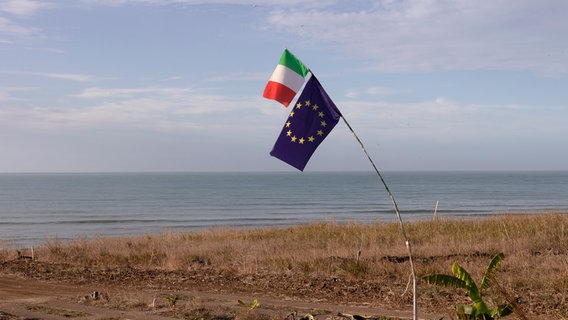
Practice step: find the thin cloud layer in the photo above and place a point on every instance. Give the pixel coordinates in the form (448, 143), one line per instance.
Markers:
(12, 29)
(14, 18)
(23, 8)
(154, 109)
(423, 36)
(56, 75)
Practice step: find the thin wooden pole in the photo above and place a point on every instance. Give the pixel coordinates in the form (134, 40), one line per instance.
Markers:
(407, 242)
(435, 217)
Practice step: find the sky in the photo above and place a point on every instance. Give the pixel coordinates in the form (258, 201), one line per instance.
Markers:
(176, 85)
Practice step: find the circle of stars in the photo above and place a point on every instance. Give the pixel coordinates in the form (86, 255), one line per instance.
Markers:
(319, 132)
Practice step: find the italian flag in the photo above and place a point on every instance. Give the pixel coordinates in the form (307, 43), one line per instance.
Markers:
(286, 80)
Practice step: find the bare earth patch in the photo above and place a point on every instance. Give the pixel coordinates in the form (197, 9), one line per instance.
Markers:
(36, 290)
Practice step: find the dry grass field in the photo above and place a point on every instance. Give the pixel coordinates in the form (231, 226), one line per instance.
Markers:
(360, 264)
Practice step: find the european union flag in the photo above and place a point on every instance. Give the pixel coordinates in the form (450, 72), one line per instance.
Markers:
(310, 121)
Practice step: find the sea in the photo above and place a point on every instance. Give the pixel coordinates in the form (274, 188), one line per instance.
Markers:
(39, 207)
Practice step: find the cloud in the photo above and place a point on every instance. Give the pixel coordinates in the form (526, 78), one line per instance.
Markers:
(6, 93)
(13, 11)
(238, 76)
(421, 36)
(442, 119)
(158, 108)
(9, 28)
(47, 49)
(92, 93)
(370, 91)
(172, 78)
(67, 76)
(62, 76)
(22, 8)
(150, 108)
(418, 36)
(179, 101)
(252, 3)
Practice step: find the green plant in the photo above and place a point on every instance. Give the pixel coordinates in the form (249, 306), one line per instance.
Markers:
(479, 310)
(255, 304)
(172, 300)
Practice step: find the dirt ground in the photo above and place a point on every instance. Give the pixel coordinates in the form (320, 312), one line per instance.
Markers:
(36, 290)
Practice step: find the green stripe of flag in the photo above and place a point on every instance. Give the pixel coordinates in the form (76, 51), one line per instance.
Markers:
(289, 60)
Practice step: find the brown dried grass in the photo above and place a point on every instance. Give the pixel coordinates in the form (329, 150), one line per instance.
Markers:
(535, 246)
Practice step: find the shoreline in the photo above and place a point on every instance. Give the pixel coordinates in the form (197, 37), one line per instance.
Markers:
(441, 215)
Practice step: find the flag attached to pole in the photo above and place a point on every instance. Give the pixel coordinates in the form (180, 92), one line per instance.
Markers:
(286, 80)
(313, 117)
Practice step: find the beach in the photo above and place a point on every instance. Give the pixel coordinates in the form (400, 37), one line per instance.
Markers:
(328, 270)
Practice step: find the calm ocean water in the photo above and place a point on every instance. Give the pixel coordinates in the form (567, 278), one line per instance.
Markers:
(37, 207)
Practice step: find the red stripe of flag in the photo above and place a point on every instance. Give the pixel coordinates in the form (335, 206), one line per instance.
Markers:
(279, 92)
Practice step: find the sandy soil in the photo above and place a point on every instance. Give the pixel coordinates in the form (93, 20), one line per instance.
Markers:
(36, 290)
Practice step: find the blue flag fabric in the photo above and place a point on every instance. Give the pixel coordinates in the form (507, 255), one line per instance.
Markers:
(313, 117)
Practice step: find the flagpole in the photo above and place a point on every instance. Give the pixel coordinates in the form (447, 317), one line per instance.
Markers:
(407, 242)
